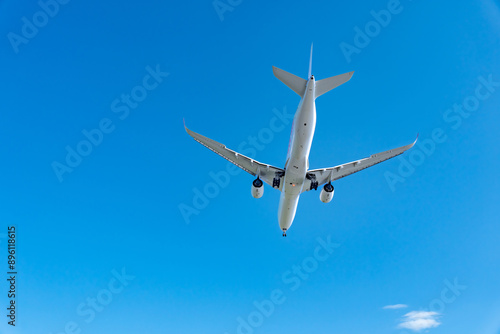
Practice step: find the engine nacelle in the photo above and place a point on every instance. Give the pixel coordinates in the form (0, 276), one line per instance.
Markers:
(326, 194)
(257, 188)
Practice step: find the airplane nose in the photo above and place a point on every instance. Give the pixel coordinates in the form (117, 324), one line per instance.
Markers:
(285, 219)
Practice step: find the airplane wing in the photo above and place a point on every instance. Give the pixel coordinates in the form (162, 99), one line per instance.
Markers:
(269, 174)
(318, 177)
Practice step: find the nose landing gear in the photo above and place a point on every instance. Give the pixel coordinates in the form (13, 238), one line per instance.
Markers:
(284, 232)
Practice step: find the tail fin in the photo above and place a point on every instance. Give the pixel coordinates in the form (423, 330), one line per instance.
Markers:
(298, 85)
(326, 85)
(310, 63)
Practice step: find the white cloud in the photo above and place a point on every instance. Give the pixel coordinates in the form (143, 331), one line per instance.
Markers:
(394, 307)
(419, 320)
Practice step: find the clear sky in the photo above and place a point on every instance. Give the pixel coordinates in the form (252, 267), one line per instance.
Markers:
(122, 228)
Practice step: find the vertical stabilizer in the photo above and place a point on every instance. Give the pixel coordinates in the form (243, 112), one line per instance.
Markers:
(310, 63)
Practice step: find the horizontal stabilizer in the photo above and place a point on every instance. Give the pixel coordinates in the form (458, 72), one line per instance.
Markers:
(295, 83)
(326, 85)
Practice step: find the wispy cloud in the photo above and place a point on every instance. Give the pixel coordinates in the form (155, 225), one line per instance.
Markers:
(419, 320)
(395, 307)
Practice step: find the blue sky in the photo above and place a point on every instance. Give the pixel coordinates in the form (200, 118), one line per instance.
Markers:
(103, 245)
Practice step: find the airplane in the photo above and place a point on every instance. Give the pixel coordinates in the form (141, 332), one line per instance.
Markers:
(296, 177)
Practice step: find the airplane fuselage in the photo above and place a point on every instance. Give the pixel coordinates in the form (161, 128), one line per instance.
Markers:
(297, 162)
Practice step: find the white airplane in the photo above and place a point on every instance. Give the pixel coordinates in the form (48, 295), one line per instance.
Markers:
(296, 177)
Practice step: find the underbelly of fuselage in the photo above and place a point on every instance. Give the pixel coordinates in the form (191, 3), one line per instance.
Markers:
(297, 164)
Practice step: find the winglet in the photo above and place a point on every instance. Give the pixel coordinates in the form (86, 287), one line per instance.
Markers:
(190, 132)
(407, 147)
(415, 140)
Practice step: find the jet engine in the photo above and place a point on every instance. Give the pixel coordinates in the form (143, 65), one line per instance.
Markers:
(257, 188)
(326, 194)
